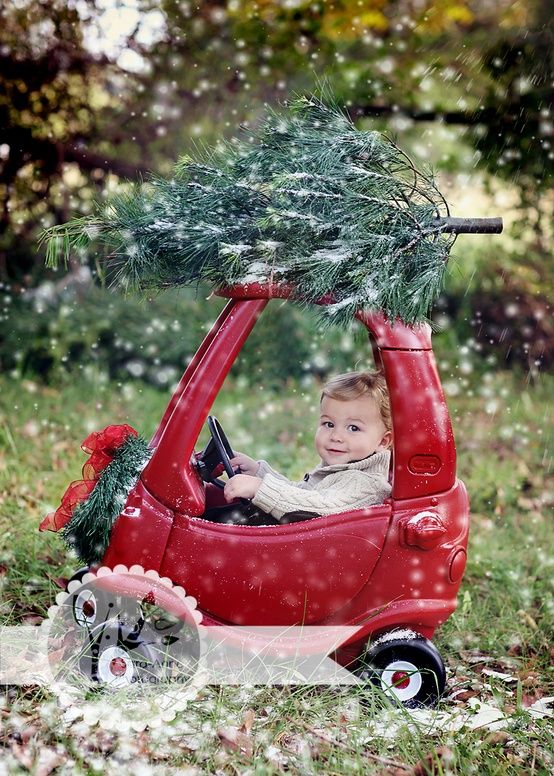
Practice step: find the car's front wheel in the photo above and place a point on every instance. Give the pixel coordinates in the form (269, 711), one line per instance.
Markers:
(406, 667)
(116, 658)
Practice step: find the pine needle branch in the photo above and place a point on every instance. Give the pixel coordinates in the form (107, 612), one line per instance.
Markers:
(88, 532)
(307, 200)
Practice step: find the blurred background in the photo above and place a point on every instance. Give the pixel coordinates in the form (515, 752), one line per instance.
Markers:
(97, 93)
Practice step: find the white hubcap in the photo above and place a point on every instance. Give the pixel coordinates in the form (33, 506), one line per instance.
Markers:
(402, 679)
(85, 608)
(115, 667)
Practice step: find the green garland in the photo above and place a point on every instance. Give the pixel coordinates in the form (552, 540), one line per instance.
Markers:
(88, 531)
(307, 199)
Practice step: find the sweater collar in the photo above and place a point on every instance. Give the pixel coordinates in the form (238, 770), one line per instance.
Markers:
(375, 462)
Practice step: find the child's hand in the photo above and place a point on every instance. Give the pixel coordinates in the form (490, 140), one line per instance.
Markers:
(247, 465)
(241, 486)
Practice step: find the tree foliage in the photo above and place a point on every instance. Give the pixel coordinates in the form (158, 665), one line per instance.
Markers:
(82, 107)
(305, 190)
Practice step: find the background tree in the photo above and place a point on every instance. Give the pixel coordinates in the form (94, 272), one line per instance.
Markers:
(92, 94)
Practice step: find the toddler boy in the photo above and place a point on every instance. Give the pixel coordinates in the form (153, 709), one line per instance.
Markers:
(353, 438)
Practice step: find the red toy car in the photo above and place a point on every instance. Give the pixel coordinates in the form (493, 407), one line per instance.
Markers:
(391, 570)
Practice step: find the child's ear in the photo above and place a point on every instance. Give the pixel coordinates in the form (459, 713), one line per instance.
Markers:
(386, 441)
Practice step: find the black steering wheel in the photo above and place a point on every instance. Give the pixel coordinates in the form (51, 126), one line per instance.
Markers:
(218, 450)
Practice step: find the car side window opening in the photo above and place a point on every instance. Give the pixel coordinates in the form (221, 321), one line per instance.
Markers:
(348, 445)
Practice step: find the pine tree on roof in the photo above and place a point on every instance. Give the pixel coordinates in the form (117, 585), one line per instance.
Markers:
(306, 200)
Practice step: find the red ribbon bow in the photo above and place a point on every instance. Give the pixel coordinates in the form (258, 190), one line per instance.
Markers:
(101, 447)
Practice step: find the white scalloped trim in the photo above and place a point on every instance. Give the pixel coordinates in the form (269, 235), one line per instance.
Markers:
(152, 711)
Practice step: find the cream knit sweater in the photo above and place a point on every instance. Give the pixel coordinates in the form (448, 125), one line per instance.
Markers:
(327, 489)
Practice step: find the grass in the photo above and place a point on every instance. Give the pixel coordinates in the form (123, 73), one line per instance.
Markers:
(497, 646)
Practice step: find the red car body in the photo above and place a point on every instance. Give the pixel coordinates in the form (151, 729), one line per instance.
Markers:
(397, 565)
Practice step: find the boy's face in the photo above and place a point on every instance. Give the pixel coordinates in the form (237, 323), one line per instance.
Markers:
(350, 430)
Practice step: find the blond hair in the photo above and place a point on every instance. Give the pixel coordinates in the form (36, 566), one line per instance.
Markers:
(353, 385)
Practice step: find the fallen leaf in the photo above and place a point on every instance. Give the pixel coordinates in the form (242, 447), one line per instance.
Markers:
(32, 619)
(299, 746)
(143, 742)
(498, 737)
(531, 679)
(234, 739)
(319, 748)
(105, 742)
(433, 764)
(22, 755)
(542, 708)
(529, 699)
(47, 761)
(508, 678)
(60, 582)
(465, 695)
(475, 657)
(27, 733)
(248, 721)
(276, 757)
(486, 715)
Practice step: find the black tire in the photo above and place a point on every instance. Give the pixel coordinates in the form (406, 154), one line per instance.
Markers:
(118, 656)
(91, 606)
(114, 660)
(79, 574)
(408, 670)
(114, 639)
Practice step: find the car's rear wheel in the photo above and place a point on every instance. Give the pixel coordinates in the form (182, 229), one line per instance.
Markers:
(408, 669)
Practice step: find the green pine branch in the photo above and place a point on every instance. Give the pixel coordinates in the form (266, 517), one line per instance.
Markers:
(307, 200)
(89, 529)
